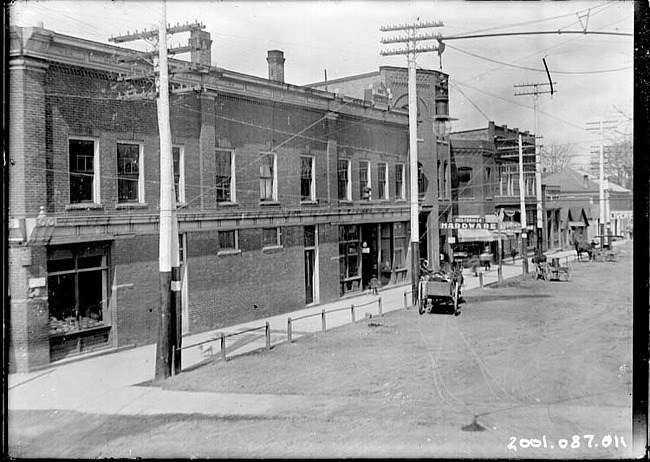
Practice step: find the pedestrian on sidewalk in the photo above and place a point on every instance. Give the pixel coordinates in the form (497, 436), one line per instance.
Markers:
(513, 253)
(374, 284)
(475, 264)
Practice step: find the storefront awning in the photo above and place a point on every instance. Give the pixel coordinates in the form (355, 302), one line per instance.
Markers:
(475, 235)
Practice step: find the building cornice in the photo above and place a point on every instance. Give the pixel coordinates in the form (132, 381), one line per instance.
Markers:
(48, 46)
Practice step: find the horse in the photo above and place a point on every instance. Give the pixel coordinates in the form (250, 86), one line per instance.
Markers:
(584, 247)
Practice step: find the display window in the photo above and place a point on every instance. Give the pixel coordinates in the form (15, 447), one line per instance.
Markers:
(77, 291)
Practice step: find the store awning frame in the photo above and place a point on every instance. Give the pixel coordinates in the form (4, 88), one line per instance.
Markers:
(475, 235)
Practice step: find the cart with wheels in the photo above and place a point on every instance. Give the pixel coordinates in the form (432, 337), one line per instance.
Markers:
(438, 289)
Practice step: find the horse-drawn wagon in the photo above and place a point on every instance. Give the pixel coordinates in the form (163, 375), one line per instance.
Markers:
(439, 288)
(552, 271)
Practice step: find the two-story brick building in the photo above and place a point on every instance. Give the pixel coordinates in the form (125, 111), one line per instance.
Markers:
(286, 195)
(485, 182)
(389, 85)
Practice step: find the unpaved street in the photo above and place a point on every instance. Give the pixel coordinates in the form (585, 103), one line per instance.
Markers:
(531, 363)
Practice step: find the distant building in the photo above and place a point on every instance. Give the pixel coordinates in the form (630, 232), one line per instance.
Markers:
(577, 195)
(485, 183)
(286, 195)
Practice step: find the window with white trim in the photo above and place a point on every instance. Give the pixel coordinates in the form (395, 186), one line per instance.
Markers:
(225, 175)
(130, 186)
(343, 175)
(399, 181)
(271, 237)
(84, 171)
(268, 178)
(307, 183)
(382, 181)
(364, 180)
(228, 240)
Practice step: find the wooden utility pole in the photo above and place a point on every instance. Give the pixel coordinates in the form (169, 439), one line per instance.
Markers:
(601, 125)
(538, 165)
(412, 49)
(168, 350)
(522, 204)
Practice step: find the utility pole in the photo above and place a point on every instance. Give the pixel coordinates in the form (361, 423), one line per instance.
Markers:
(522, 205)
(538, 165)
(168, 350)
(601, 125)
(412, 49)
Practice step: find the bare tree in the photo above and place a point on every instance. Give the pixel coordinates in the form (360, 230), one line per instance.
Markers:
(618, 153)
(617, 166)
(556, 156)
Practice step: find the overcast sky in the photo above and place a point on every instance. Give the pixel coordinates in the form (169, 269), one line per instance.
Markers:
(593, 73)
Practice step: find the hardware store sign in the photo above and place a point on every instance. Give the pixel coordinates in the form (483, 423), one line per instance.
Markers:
(468, 222)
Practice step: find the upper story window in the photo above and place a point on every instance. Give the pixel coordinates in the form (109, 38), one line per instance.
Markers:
(343, 175)
(509, 180)
(488, 181)
(446, 183)
(178, 156)
(130, 187)
(307, 183)
(84, 171)
(399, 181)
(364, 180)
(465, 182)
(268, 178)
(422, 181)
(382, 181)
(225, 175)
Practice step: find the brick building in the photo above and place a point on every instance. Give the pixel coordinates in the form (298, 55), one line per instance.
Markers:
(286, 195)
(389, 86)
(485, 182)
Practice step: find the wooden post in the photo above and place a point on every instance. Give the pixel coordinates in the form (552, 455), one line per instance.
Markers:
(322, 318)
(352, 312)
(480, 280)
(379, 301)
(406, 307)
(289, 330)
(223, 346)
(267, 332)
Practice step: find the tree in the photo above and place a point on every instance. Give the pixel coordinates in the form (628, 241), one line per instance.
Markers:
(618, 153)
(617, 165)
(556, 156)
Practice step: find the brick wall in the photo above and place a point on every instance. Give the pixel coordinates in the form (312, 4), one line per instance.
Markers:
(28, 320)
(136, 286)
(255, 283)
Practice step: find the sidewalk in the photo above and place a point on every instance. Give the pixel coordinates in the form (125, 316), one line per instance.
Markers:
(107, 384)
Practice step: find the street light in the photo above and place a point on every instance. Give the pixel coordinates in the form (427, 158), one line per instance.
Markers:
(442, 125)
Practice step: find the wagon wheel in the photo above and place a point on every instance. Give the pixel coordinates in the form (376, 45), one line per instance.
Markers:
(455, 297)
(567, 274)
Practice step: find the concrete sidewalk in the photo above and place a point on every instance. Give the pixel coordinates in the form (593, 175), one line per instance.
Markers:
(107, 384)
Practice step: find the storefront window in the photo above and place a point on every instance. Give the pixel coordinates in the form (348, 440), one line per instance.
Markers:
(76, 288)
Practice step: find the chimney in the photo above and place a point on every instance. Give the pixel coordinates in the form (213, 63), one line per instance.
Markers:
(202, 52)
(275, 58)
(585, 181)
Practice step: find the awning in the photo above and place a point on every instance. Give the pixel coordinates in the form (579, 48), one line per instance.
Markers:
(475, 235)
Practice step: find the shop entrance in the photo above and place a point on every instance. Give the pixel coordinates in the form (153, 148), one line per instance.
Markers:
(369, 254)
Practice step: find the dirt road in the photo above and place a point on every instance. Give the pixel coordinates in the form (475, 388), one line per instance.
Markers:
(531, 369)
